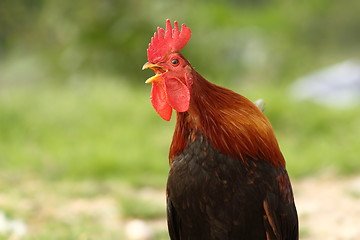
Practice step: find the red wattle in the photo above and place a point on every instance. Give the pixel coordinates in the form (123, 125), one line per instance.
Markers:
(159, 101)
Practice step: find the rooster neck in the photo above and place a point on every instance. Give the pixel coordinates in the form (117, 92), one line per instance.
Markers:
(230, 122)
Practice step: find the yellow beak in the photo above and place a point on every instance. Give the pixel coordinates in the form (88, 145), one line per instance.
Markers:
(155, 78)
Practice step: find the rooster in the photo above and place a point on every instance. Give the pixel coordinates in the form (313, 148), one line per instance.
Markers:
(227, 176)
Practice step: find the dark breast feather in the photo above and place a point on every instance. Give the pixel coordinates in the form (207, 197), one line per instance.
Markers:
(213, 196)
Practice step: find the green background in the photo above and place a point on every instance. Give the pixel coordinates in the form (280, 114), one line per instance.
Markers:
(74, 107)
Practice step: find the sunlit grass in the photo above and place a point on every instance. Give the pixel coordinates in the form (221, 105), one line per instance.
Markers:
(314, 138)
(105, 129)
(96, 130)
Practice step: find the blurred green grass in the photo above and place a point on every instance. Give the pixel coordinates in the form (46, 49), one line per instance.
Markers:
(314, 138)
(96, 129)
(106, 129)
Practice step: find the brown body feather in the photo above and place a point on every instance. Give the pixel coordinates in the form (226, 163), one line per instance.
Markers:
(227, 179)
(233, 124)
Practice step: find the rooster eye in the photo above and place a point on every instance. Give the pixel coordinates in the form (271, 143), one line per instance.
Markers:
(175, 61)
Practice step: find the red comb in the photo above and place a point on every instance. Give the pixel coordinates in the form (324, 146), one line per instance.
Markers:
(166, 41)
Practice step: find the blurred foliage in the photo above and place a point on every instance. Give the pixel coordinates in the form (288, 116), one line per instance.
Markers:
(90, 54)
(232, 40)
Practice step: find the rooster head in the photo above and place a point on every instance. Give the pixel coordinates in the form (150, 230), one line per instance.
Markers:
(172, 82)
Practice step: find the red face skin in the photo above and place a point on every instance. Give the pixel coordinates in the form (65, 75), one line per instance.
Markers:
(171, 85)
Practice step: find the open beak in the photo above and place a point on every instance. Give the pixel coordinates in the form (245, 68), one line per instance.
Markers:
(154, 67)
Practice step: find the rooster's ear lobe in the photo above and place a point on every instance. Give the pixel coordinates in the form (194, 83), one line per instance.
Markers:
(178, 94)
(189, 77)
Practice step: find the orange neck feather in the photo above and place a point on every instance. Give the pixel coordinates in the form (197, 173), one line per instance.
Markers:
(231, 122)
